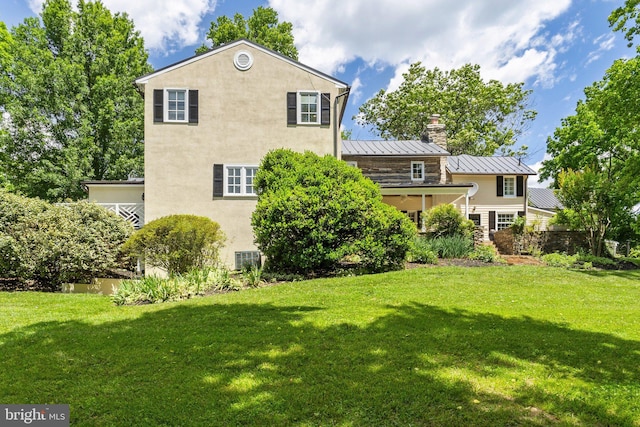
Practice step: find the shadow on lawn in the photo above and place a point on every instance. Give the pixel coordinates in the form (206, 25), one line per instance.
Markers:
(268, 365)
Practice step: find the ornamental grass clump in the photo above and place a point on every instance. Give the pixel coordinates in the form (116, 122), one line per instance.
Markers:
(422, 251)
(154, 289)
(455, 246)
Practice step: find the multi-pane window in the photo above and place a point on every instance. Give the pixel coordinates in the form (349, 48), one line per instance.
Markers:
(250, 174)
(309, 107)
(176, 105)
(239, 180)
(417, 171)
(504, 221)
(509, 186)
(234, 180)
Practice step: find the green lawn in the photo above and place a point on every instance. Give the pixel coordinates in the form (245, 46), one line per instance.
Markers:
(431, 346)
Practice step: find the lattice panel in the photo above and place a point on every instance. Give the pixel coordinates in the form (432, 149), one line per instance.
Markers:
(132, 212)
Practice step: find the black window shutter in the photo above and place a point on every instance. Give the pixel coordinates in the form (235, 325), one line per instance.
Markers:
(520, 186)
(193, 106)
(292, 108)
(218, 180)
(158, 109)
(522, 214)
(325, 109)
(500, 186)
(492, 220)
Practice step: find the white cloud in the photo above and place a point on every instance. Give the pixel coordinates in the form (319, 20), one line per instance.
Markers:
(356, 90)
(605, 43)
(164, 24)
(505, 37)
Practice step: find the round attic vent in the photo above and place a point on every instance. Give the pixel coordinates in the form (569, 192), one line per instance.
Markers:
(243, 60)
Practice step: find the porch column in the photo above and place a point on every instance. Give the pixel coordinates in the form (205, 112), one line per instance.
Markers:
(466, 205)
(424, 208)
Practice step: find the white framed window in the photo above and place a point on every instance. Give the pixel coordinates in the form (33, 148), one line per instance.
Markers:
(509, 186)
(175, 107)
(504, 220)
(417, 171)
(238, 180)
(309, 107)
(352, 163)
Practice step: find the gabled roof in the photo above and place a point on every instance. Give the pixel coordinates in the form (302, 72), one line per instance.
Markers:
(543, 198)
(144, 79)
(480, 165)
(391, 148)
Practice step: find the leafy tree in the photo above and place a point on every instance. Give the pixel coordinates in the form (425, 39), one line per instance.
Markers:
(600, 144)
(315, 212)
(588, 195)
(481, 117)
(262, 27)
(71, 110)
(626, 18)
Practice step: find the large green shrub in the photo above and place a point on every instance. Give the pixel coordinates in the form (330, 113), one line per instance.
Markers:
(314, 212)
(53, 244)
(177, 243)
(446, 220)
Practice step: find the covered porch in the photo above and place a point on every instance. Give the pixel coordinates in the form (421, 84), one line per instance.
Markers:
(416, 199)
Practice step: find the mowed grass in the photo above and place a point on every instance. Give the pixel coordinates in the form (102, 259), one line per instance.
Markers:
(431, 346)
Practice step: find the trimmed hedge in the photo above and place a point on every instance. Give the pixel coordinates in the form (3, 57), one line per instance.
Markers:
(177, 243)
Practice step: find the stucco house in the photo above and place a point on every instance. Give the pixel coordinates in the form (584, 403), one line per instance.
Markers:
(210, 119)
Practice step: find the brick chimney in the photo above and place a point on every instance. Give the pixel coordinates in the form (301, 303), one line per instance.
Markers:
(436, 131)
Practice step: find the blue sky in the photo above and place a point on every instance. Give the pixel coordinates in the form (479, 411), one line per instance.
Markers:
(557, 47)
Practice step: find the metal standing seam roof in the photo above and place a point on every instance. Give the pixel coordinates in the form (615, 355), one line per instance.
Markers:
(481, 165)
(391, 148)
(543, 198)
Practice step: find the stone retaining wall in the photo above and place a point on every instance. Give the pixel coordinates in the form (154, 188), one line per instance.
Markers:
(570, 242)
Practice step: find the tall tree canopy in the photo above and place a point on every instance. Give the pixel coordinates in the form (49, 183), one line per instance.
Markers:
(601, 140)
(626, 19)
(262, 27)
(481, 117)
(70, 109)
